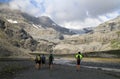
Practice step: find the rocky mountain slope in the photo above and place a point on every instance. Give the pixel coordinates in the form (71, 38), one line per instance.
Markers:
(105, 36)
(46, 22)
(15, 41)
(38, 27)
(21, 33)
(12, 39)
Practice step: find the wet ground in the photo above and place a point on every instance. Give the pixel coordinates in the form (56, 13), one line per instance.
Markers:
(63, 70)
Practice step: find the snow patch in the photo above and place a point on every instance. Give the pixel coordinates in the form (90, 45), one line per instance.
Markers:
(11, 21)
(37, 26)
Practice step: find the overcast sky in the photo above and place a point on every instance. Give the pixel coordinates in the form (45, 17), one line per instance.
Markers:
(73, 14)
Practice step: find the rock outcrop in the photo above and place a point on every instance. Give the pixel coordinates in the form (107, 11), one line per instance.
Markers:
(13, 38)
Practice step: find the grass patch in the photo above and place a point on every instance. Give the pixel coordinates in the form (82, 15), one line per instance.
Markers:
(110, 60)
(98, 54)
(115, 43)
(104, 54)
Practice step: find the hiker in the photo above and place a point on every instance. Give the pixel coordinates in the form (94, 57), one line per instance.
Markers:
(79, 58)
(43, 60)
(51, 58)
(38, 62)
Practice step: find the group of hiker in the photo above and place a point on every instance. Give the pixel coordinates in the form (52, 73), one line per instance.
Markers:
(41, 60)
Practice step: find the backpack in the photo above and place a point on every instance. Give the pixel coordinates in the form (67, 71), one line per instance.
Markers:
(43, 58)
(51, 57)
(79, 56)
(38, 58)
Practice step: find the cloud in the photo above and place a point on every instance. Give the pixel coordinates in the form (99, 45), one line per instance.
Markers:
(79, 25)
(71, 13)
(27, 6)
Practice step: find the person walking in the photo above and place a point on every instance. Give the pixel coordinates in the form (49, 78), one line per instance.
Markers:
(78, 58)
(43, 60)
(51, 58)
(38, 62)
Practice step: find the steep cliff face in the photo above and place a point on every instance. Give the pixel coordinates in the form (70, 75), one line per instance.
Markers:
(10, 39)
(15, 41)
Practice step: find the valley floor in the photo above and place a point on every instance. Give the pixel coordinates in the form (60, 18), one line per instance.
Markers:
(66, 72)
(59, 71)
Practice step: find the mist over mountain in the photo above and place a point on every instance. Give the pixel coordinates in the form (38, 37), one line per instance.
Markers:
(39, 27)
(83, 30)
(46, 22)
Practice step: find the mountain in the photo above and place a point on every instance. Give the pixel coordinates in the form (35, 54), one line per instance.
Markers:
(21, 34)
(46, 22)
(38, 27)
(15, 41)
(104, 37)
(109, 26)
